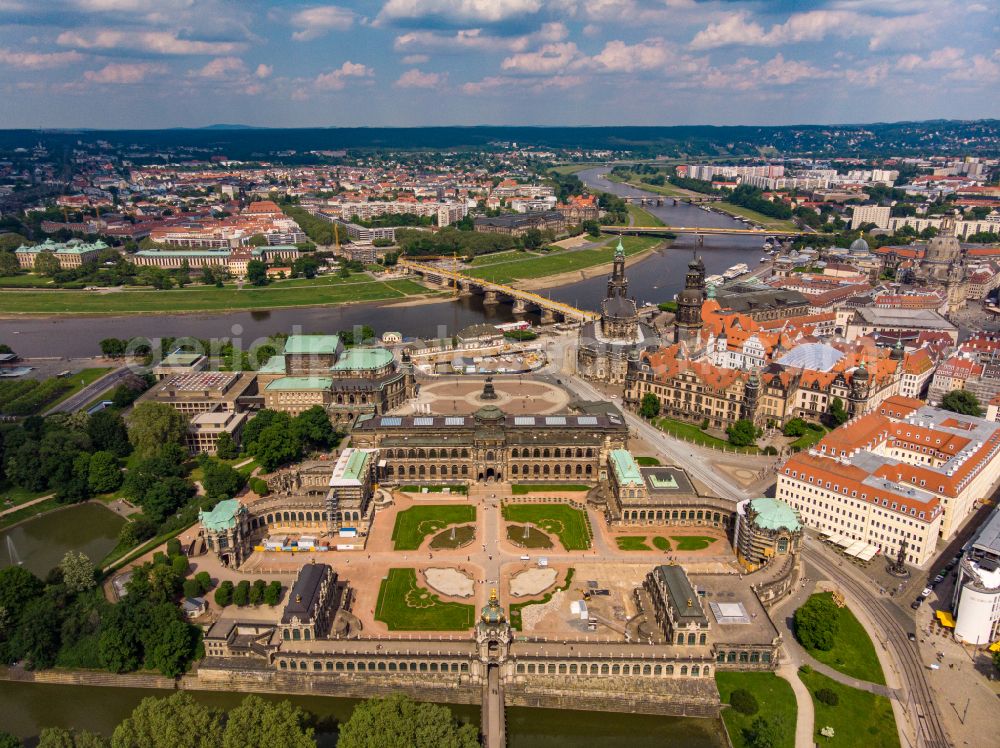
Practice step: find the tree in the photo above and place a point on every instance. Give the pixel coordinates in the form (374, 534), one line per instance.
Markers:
(225, 447)
(795, 427)
(177, 720)
(107, 431)
(104, 474)
(592, 227)
(962, 401)
(827, 696)
(312, 427)
(224, 594)
(764, 733)
(273, 593)
(257, 722)
(46, 264)
(275, 446)
(18, 586)
(153, 425)
(257, 273)
(191, 588)
(118, 646)
(9, 264)
(57, 737)
(742, 433)
(220, 480)
(77, 571)
(838, 414)
(744, 702)
(36, 639)
(257, 591)
(241, 596)
(532, 239)
(113, 347)
(168, 641)
(8, 741)
(261, 421)
(166, 497)
(816, 623)
(400, 721)
(650, 406)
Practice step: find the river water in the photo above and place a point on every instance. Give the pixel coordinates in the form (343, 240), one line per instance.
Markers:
(654, 279)
(27, 708)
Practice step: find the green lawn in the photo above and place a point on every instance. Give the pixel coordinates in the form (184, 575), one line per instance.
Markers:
(17, 495)
(24, 281)
(767, 222)
(853, 652)
(463, 536)
(859, 719)
(514, 611)
(520, 489)
(535, 537)
(776, 699)
(642, 217)
(668, 190)
(573, 168)
(692, 542)
(661, 543)
(692, 433)
(206, 298)
(569, 524)
(808, 439)
(404, 606)
(632, 543)
(648, 461)
(416, 523)
(561, 262)
(494, 258)
(79, 380)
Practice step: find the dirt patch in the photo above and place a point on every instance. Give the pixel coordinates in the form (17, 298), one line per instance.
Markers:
(532, 582)
(450, 582)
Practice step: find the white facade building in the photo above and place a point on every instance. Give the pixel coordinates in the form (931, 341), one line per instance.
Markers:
(877, 214)
(976, 599)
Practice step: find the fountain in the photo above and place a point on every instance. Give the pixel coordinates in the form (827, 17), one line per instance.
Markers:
(453, 532)
(15, 560)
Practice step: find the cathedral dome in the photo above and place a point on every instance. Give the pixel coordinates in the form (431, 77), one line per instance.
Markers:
(942, 249)
(859, 247)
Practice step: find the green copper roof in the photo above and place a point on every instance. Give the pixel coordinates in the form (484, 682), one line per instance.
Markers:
(362, 358)
(274, 365)
(356, 463)
(619, 250)
(312, 344)
(300, 383)
(223, 517)
(626, 468)
(774, 514)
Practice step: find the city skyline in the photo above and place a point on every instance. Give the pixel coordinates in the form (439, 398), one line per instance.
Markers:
(182, 63)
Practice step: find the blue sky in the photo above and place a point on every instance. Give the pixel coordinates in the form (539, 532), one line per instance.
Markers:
(136, 63)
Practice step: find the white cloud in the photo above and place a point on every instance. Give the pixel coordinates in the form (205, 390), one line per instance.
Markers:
(458, 11)
(617, 56)
(38, 60)
(155, 42)
(939, 59)
(535, 86)
(221, 67)
(263, 71)
(419, 79)
(746, 74)
(475, 39)
(336, 80)
(738, 28)
(415, 59)
(548, 59)
(313, 23)
(124, 72)
(980, 69)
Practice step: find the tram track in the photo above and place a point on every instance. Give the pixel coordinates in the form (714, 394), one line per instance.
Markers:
(919, 702)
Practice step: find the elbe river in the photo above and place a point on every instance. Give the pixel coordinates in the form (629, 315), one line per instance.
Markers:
(654, 279)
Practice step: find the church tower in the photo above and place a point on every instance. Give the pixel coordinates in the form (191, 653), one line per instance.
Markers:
(687, 322)
(617, 282)
(858, 397)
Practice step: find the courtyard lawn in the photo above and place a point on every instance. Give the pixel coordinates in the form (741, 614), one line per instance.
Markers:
(404, 606)
(809, 438)
(632, 543)
(859, 719)
(416, 523)
(642, 217)
(853, 652)
(464, 535)
(647, 461)
(661, 543)
(520, 489)
(197, 299)
(515, 608)
(690, 432)
(777, 224)
(568, 524)
(776, 699)
(692, 542)
(528, 536)
(561, 262)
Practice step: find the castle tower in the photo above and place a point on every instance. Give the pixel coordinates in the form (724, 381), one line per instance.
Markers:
(751, 395)
(688, 322)
(409, 376)
(858, 397)
(493, 633)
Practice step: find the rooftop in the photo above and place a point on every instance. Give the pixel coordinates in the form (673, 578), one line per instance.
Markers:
(351, 467)
(304, 595)
(312, 344)
(775, 514)
(626, 468)
(354, 359)
(300, 383)
(681, 595)
(222, 517)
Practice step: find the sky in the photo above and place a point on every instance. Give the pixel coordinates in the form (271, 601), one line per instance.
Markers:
(190, 63)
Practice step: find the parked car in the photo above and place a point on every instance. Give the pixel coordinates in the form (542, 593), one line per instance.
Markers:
(916, 603)
(926, 591)
(911, 636)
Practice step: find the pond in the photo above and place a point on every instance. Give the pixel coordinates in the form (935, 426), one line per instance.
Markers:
(40, 543)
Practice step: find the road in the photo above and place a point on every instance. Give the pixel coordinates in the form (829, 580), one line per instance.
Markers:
(77, 400)
(895, 626)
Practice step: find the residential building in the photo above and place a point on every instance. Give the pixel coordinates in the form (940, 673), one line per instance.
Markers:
(975, 601)
(876, 214)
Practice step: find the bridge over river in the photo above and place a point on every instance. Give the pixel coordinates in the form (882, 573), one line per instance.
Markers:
(495, 293)
(702, 231)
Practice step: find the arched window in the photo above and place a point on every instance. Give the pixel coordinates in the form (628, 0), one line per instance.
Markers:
(684, 669)
(691, 638)
(670, 669)
(695, 671)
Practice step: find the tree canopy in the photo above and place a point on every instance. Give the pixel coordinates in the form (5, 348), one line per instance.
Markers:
(399, 722)
(816, 623)
(153, 425)
(962, 401)
(650, 406)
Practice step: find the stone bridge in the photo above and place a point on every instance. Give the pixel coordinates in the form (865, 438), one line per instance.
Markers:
(495, 293)
(701, 230)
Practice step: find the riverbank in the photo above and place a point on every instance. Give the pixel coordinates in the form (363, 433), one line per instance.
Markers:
(594, 271)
